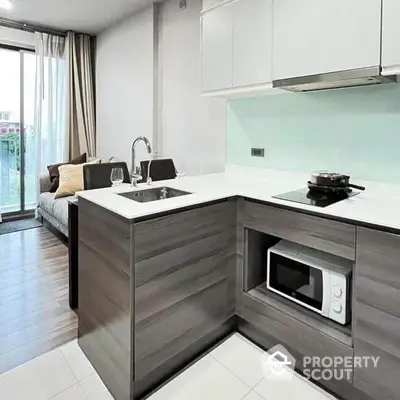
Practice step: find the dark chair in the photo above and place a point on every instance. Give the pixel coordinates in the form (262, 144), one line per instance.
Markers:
(160, 169)
(97, 176)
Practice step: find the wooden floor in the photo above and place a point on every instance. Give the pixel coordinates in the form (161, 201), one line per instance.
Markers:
(34, 312)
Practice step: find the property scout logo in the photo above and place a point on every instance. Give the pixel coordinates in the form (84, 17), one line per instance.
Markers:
(279, 364)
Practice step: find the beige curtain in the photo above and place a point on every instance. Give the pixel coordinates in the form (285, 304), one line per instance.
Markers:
(82, 129)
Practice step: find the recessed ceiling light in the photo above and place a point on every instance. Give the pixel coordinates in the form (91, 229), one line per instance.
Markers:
(6, 4)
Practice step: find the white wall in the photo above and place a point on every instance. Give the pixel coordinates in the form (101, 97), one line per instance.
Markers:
(192, 128)
(16, 37)
(124, 79)
(144, 80)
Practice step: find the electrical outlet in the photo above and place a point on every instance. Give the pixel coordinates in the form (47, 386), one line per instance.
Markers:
(182, 4)
(257, 152)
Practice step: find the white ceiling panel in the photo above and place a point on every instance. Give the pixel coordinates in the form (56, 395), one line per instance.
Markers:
(89, 16)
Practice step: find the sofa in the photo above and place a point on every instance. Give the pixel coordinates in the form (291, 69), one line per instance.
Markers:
(55, 211)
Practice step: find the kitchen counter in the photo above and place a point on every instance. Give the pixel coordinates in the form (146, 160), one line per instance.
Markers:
(154, 294)
(377, 206)
(161, 282)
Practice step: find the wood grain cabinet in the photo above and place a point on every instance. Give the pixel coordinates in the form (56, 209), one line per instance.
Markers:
(330, 236)
(282, 328)
(184, 288)
(154, 294)
(267, 318)
(105, 306)
(377, 313)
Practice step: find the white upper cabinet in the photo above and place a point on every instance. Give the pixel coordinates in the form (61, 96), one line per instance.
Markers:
(391, 37)
(320, 36)
(217, 49)
(252, 39)
(237, 47)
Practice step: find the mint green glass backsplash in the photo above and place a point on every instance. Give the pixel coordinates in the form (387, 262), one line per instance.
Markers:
(354, 131)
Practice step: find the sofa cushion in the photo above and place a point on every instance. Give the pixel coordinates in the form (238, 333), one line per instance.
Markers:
(55, 173)
(58, 208)
(71, 179)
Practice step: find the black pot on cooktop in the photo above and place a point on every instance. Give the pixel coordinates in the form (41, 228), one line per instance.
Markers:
(331, 182)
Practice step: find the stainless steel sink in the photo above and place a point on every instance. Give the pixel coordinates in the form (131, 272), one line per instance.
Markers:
(144, 196)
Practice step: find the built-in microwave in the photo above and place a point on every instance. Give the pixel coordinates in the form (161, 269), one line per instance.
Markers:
(316, 280)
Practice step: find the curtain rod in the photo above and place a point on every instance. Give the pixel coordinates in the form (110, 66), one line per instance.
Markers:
(8, 23)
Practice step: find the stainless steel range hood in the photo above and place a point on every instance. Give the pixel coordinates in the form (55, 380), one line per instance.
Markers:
(335, 80)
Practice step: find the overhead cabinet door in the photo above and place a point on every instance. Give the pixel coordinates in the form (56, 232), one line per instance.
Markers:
(321, 36)
(217, 49)
(390, 37)
(252, 42)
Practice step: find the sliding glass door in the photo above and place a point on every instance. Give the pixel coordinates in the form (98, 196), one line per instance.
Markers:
(29, 192)
(17, 137)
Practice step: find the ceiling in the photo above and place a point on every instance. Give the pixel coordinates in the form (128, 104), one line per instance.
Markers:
(89, 16)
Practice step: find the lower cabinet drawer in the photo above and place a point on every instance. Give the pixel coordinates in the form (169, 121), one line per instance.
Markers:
(322, 234)
(184, 286)
(166, 334)
(377, 313)
(381, 381)
(298, 338)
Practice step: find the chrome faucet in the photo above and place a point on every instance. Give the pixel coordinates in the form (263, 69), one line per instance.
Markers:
(153, 156)
(135, 170)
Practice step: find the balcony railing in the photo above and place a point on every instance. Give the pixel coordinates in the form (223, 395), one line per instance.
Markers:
(10, 172)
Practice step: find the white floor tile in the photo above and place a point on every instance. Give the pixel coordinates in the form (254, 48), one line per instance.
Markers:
(254, 396)
(228, 373)
(73, 393)
(94, 388)
(243, 358)
(207, 379)
(39, 379)
(78, 362)
(295, 389)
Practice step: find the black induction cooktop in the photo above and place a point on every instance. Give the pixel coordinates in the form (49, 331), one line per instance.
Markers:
(304, 196)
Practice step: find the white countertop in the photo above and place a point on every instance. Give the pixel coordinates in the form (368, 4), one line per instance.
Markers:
(378, 205)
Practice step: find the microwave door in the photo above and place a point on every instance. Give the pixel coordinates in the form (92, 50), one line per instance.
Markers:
(296, 281)
(326, 298)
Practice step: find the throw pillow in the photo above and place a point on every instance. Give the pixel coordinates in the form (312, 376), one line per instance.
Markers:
(71, 179)
(55, 174)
